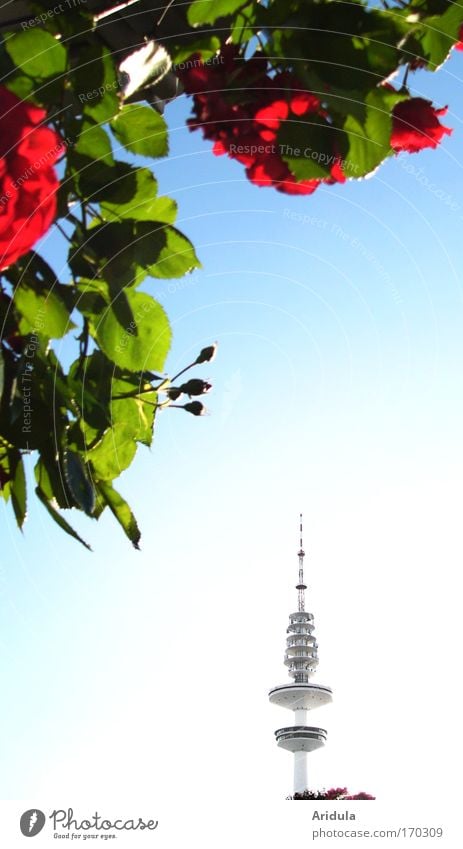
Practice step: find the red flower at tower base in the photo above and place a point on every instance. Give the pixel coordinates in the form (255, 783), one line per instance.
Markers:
(335, 793)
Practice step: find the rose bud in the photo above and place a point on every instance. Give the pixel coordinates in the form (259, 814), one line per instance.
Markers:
(195, 408)
(207, 354)
(174, 392)
(16, 342)
(195, 387)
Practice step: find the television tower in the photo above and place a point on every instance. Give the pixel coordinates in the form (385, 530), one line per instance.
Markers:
(301, 659)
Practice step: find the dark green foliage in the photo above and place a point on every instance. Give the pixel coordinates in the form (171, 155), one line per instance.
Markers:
(85, 421)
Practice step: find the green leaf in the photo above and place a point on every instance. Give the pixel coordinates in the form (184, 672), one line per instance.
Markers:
(141, 130)
(246, 23)
(44, 304)
(7, 461)
(100, 181)
(207, 11)
(43, 314)
(95, 83)
(143, 342)
(129, 250)
(78, 481)
(93, 142)
(175, 255)
(108, 396)
(433, 36)
(21, 86)
(137, 201)
(2, 374)
(91, 379)
(93, 178)
(307, 146)
(37, 53)
(136, 413)
(92, 286)
(347, 44)
(34, 267)
(162, 209)
(368, 138)
(38, 412)
(8, 320)
(206, 45)
(121, 511)
(18, 494)
(113, 454)
(49, 478)
(58, 518)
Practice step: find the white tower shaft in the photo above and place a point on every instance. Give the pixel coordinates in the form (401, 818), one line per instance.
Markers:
(300, 758)
(300, 772)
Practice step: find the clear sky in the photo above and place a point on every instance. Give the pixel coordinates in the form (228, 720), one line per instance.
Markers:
(338, 392)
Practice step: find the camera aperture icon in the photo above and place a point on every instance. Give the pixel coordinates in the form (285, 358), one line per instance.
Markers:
(32, 822)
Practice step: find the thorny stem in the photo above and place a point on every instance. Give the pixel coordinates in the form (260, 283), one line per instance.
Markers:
(83, 340)
(135, 393)
(248, 23)
(164, 13)
(407, 70)
(183, 371)
(73, 218)
(94, 212)
(63, 232)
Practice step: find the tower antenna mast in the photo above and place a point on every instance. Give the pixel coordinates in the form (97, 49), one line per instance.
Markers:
(301, 587)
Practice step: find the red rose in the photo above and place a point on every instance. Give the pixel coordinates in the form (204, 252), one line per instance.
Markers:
(240, 108)
(28, 182)
(416, 125)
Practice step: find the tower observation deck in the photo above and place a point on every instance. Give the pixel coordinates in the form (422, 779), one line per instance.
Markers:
(301, 659)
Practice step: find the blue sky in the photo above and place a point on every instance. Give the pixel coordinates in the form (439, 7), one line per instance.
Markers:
(337, 391)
